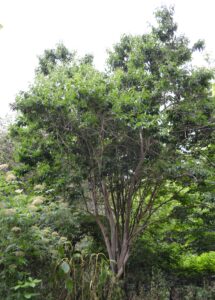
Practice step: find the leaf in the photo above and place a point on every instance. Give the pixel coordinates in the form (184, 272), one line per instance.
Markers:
(65, 267)
(32, 284)
(12, 246)
(16, 287)
(28, 296)
(69, 284)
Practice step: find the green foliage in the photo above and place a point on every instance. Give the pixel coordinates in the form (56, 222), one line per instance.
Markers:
(23, 288)
(40, 237)
(130, 150)
(179, 243)
(28, 248)
(204, 263)
(54, 57)
(6, 144)
(120, 143)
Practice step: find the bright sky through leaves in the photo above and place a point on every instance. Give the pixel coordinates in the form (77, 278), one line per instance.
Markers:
(31, 26)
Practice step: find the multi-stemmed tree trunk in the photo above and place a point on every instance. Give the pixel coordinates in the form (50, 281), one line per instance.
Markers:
(122, 204)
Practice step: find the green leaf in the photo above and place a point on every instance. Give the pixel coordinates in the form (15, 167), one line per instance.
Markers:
(16, 287)
(28, 296)
(69, 284)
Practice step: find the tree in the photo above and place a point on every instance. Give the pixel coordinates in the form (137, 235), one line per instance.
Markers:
(118, 140)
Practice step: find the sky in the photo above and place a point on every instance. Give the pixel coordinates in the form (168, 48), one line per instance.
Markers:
(87, 26)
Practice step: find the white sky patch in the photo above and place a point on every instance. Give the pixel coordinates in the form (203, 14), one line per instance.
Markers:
(88, 26)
